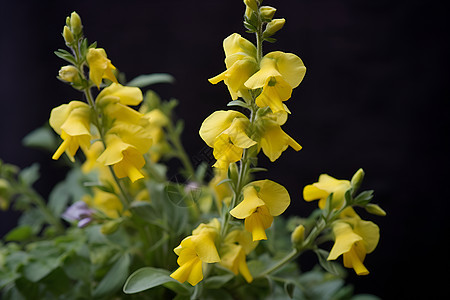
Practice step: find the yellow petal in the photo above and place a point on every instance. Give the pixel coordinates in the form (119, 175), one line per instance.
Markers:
(99, 64)
(345, 239)
(274, 195)
(205, 248)
(237, 133)
(258, 222)
(248, 206)
(130, 165)
(274, 141)
(216, 123)
(236, 43)
(311, 192)
(290, 66)
(128, 95)
(354, 259)
(273, 95)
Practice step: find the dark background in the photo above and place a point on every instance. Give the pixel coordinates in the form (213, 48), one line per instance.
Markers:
(375, 96)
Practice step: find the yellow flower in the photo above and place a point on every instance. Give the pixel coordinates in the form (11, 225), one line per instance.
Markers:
(273, 139)
(72, 122)
(91, 155)
(222, 192)
(324, 187)
(237, 245)
(114, 101)
(263, 200)
(279, 73)
(68, 73)
(195, 250)
(354, 238)
(157, 120)
(99, 66)
(240, 61)
(125, 145)
(107, 203)
(226, 132)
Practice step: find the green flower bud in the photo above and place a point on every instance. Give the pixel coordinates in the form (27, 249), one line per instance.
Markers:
(274, 26)
(110, 227)
(68, 73)
(253, 4)
(75, 23)
(267, 12)
(298, 235)
(357, 179)
(68, 36)
(374, 209)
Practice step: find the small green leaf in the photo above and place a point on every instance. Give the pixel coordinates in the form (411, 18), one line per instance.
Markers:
(363, 198)
(329, 266)
(36, 270)
(42, 138)
(270, 39)
(289, 288)
(238, 103)
(146, 80)
(29, 175)
(115, 277)
(61, 53)
(147, 278)
(19, 233)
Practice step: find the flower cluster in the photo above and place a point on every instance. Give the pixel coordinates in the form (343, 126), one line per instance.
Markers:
(109, 118)
(260, 84)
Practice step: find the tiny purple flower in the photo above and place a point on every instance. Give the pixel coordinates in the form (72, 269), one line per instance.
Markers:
(79, 211)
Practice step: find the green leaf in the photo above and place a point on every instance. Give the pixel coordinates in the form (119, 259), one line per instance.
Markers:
(146, 80)
(329, 266)
(289, 288)
(20, 233)
(36, 270)
(148, 277)
(216, 282)
(61, 53)
(114, 279)
(238, 103)
(29, 175)
(42, 138)
(363, 198)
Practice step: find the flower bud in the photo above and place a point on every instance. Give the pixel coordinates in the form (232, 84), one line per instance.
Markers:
(298, 235)
(68, 73)
(253, 4)
(374, 209)
(75, 23)
(68, 36)
(110, 227)
(274, 26)
(357, 179)
(267, 12)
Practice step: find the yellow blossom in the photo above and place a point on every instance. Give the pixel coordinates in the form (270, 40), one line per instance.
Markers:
(324, 187)
(99, 66)
(354, 238)
(263, 200)
(273, 139)
(125, 145)
(157, 120)
(68, 73)
(237, 245)
(107, 203)
(226, 132)
(222, 192)
(72, 122)
(195, 250)
(279, 73)
(240, 61)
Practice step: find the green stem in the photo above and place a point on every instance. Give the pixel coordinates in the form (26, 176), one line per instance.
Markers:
(181, 152)
(287, 259)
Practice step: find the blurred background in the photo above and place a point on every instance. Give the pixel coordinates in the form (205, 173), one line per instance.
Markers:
(375, 96)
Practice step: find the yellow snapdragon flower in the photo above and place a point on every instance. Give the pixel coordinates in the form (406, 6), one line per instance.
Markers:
(354, 238)
(107, 203)
(263, 200)
(279, 73)
(72, 122)
(273, 140)
(237, 244)
(157, 120)
(195, 250)
(324, 187)
(125, 146)
(99, 66)
(240, 61)
(226, 132)
(114, 101)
